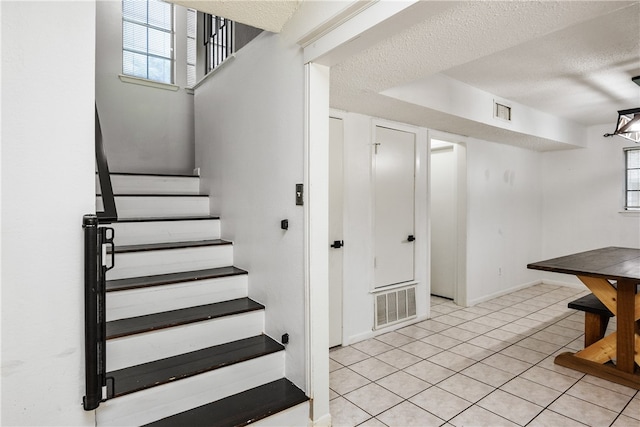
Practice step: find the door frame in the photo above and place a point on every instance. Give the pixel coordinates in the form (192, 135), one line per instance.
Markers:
(460, 188)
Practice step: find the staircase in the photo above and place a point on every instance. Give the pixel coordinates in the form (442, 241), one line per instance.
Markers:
(185, 344)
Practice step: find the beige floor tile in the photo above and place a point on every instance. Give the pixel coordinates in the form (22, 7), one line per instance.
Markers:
(373, 399)
(475, 327)
(511, 407)
(347, 355)
(524, 354)
(551, 379)
(549, 418)
(540, 346)
(345, 380)
(490, 321)
(583, 411)
(373, 369)
(471, 351)
(506, 363)
(552, 338)
(565, 332)
(372, 422)
(333, 395)
(429, 372)
(409, 415)
(489, 343)
(450, 320)
(345, 413)
(333, 365)
(465, 387)
(502, 315)
(452, 360)
(414, 332)
(459, 334)
(465, 315)
(372, 347)
(442, 341)
(394, 339)
(440, 403)
(443, 309)
(476, 416)
(403, 384)
(502, 335)
(398, 358)
(421, 349)
(633, 408)
(599, 396)
(520, 330)
(549, 364)
(531, 391)
(432, 325)
(487, 374)
(624, 421)
(619, 388)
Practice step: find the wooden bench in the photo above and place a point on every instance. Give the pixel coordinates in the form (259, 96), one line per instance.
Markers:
(596, 317)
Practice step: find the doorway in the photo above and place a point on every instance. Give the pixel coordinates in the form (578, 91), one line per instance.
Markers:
(448, 220)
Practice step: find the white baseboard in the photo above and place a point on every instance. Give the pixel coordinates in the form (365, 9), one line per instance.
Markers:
(370, 334)
(476, 301)
(323, 421)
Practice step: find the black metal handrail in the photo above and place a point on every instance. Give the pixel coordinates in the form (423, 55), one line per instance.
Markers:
(109, 213)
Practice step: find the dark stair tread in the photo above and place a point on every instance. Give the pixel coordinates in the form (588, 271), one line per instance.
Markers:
(170, 278)
(158, 195)
(183, 316)
(240, 409)
(174, 218)
(167, 175)
(169, 245)
(158, 372)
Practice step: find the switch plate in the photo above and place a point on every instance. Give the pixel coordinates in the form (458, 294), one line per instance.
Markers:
(299, 194)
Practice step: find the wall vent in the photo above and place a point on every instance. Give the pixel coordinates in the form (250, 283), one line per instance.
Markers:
(501, 111)
(395, 306)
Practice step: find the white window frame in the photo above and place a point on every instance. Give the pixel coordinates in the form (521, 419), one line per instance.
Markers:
(627, 169)
(146, 53)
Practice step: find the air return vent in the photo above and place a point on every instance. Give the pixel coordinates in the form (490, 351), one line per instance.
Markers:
(501, 111)
(395, 306)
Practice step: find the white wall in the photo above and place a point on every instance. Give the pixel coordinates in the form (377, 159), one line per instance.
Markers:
(358, 227)
(146, 129)
(48, 165)
(249, 146)
(583, 199)
(504, 218)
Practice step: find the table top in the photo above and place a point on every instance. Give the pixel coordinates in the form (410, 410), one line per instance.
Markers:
(609, 263)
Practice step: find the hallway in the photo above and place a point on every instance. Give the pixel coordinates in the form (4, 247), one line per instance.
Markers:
(487, 365)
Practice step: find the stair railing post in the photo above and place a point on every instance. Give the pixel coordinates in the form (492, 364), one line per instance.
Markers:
(92, 329)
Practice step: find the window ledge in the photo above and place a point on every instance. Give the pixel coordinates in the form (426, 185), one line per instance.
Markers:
(630, 212)
(149, 83)
(229, 59)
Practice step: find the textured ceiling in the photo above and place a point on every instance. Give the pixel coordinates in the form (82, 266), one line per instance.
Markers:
(270, 15)
(568, 58)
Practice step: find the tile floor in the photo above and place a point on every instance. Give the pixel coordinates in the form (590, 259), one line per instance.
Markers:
(487, 365)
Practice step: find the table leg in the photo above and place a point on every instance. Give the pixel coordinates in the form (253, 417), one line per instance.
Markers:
(626, 326)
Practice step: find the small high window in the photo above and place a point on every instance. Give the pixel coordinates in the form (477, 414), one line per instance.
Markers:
(632, 178)
(147, 39)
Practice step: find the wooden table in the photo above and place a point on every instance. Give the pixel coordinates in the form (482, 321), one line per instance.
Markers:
(615, 357)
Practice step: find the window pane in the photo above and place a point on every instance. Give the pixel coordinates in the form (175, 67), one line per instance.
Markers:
(134, 36)
(160, 69)
(159, 43)
(135, 10)
(191, 75)
(191, 23)
(633, 199)
(134, 64)
(160, 14)
(633, 159)
(633, 179)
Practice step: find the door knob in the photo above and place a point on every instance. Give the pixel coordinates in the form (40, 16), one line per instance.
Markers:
(411, 238)
(337, 244)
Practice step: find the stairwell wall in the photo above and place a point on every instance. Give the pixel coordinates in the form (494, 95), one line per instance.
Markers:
(48, 160)
(146, 129)
(249, 148)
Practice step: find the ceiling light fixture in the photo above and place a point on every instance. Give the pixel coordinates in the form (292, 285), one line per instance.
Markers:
(628, 125)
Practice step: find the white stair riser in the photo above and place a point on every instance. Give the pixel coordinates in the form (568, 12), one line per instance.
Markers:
(139, 233)
(162, 401)
(146, 347)
(131, 207)
(297, 416)
(156, 299)
(149, 263)
(148, 184)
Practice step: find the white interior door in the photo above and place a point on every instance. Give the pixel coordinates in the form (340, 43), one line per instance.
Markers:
(394, 194)
(336, 178)
(443, 221)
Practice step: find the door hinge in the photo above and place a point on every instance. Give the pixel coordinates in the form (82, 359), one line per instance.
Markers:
(375, 145)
